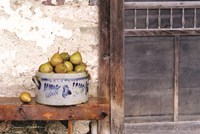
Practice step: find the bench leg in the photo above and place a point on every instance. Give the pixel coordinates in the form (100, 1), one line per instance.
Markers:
(70, 128)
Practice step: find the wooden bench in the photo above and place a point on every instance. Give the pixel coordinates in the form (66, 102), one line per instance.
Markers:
(12, 109)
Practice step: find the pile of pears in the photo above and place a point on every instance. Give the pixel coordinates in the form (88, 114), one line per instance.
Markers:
(64, 63)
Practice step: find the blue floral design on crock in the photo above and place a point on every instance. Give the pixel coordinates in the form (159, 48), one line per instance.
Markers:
(80, 87)
(51, 89)
(48, 86)
(51, 93)
(66, 91)
(45, 79)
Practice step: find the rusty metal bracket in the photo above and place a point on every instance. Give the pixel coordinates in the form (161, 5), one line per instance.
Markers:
(22, 112)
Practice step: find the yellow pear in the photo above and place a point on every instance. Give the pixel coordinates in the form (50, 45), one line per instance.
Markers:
(71, 72)
(65, 56)
(45, 68)
(75, 58)
(25, 97)
(60, 68)
(68, 65)
(80, 68)
(84, 64)
(56, 59)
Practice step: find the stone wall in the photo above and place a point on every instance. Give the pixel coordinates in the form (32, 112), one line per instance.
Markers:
(30, 32)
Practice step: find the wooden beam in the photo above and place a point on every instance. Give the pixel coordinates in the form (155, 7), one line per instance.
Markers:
(154, 32)
(161, 5)
(104, 49)
(160, 118)
(12, 109)
(117, 66)
(185, 127)
(104, 60)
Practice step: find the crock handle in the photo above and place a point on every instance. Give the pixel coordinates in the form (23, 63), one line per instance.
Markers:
(36, 81)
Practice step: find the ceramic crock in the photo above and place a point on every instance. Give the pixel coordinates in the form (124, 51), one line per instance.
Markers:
(61, 89)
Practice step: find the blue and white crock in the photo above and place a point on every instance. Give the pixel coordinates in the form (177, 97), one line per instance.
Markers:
(61, 89)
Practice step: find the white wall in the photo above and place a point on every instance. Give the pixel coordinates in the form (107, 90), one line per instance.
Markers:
(31, 32)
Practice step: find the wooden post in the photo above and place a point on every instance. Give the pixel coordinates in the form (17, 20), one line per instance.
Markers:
(70, 127)
(176, 78)
(117, 67)
(104, 60)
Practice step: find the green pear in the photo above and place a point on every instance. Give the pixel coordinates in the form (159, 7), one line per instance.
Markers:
(60, 68)
(75, 58)
(80, 68)
(65, 56)
(68, 65)
(56, 59)
(84, 64)
(45, 68)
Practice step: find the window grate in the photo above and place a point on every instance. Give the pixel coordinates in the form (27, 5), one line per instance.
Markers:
(151, 17)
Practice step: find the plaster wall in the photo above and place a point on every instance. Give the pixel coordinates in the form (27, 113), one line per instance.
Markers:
(31, 32)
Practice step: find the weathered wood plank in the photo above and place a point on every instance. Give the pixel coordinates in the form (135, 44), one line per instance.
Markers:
(104, 49)
(12, 109)
(176, 77)
(104, 60)
(186, 106)
(157, 32)
(160, 118)
(146, 119)
(146, 102)
(161, 5)
(117, 66)
(189, 75)
(189, 127)
(149, 72)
